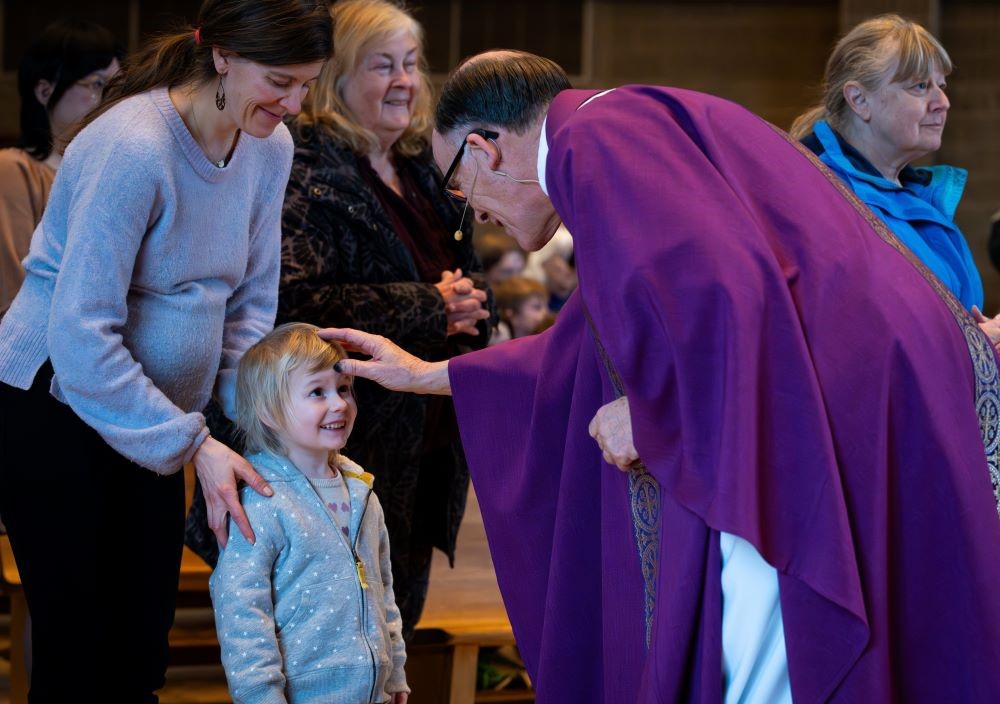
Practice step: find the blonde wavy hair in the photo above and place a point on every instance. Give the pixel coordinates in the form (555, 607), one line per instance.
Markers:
(866, 55)
(262, 395)
(357, 24)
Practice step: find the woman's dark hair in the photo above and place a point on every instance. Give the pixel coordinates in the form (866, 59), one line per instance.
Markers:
(66, 51)
(508, 89)
(270, 32)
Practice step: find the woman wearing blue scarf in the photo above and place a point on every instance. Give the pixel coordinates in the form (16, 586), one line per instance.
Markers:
(885, 106)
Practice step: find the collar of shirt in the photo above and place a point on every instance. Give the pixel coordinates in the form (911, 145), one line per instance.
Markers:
(829, 139)
(543, 142)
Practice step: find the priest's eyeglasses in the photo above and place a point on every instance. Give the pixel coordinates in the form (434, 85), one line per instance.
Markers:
(454, 192)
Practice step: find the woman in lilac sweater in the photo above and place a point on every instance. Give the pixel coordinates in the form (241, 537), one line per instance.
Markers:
(155, 265)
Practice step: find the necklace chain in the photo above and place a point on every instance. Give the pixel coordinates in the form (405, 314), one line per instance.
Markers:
(194, 119)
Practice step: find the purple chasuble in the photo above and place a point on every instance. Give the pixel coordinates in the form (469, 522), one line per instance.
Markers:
(795, 378)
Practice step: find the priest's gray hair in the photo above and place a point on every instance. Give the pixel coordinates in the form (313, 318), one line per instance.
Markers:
(509, 89)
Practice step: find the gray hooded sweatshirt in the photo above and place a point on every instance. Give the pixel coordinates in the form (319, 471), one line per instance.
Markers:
(299, 620)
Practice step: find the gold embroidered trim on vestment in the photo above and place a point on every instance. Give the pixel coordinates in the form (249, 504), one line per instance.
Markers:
(984, 361)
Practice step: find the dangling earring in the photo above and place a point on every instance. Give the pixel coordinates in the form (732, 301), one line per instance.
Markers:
(220, 95)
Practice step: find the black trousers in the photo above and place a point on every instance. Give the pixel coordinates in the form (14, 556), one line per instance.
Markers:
(98, 541)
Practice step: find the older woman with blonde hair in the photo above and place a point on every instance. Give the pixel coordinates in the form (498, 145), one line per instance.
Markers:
(370, 241)
(884, 106)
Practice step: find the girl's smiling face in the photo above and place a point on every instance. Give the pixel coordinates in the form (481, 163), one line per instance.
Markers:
(319, 416)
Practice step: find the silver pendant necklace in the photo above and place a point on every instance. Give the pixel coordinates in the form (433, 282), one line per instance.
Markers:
(221, 163)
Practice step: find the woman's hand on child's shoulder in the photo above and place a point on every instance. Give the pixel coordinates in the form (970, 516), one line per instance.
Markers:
(218, 469)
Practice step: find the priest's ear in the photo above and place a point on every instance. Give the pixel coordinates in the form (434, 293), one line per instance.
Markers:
(483, 148)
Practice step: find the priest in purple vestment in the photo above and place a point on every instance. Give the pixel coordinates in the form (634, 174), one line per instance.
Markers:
(792, 378)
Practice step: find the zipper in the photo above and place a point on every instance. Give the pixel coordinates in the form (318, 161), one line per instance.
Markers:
(359, 566)
(363, 599)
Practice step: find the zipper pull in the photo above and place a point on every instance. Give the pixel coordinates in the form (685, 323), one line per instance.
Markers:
(361, 574)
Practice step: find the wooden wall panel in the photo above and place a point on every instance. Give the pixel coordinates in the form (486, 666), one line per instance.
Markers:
(768, 56)
(926, 12)
(970, 31)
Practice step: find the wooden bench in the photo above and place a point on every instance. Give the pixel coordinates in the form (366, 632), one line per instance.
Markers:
(463, 614)
(442, 661)
(10, 584)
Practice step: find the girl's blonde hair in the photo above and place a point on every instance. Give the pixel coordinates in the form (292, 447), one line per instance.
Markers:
(262, 395)
(357, 24)
(866, 55)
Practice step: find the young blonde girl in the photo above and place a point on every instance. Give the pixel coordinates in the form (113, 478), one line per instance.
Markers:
(306, 613)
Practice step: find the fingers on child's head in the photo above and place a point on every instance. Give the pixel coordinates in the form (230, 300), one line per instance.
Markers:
(262, 394)
(348, 339)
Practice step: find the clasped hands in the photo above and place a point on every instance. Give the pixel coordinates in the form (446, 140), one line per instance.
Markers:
(463, 302)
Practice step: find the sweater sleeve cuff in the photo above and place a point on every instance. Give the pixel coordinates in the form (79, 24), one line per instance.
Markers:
(198, 440)
(397, 678)
(397, 683)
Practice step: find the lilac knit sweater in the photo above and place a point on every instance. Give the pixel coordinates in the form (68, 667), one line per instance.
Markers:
(151, 272)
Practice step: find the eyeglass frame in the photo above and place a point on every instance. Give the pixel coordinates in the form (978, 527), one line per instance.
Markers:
(97, 86)
(485, 134)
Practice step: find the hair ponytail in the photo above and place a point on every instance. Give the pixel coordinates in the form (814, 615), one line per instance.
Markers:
(804, 123)
(168, 60)
(270, 32)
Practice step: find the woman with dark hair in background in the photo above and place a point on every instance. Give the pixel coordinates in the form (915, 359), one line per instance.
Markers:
(369, 241)
(60, 79)
(154, 267)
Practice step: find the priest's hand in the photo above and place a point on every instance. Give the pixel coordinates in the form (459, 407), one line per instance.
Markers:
(390, 365)
(612, 429)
